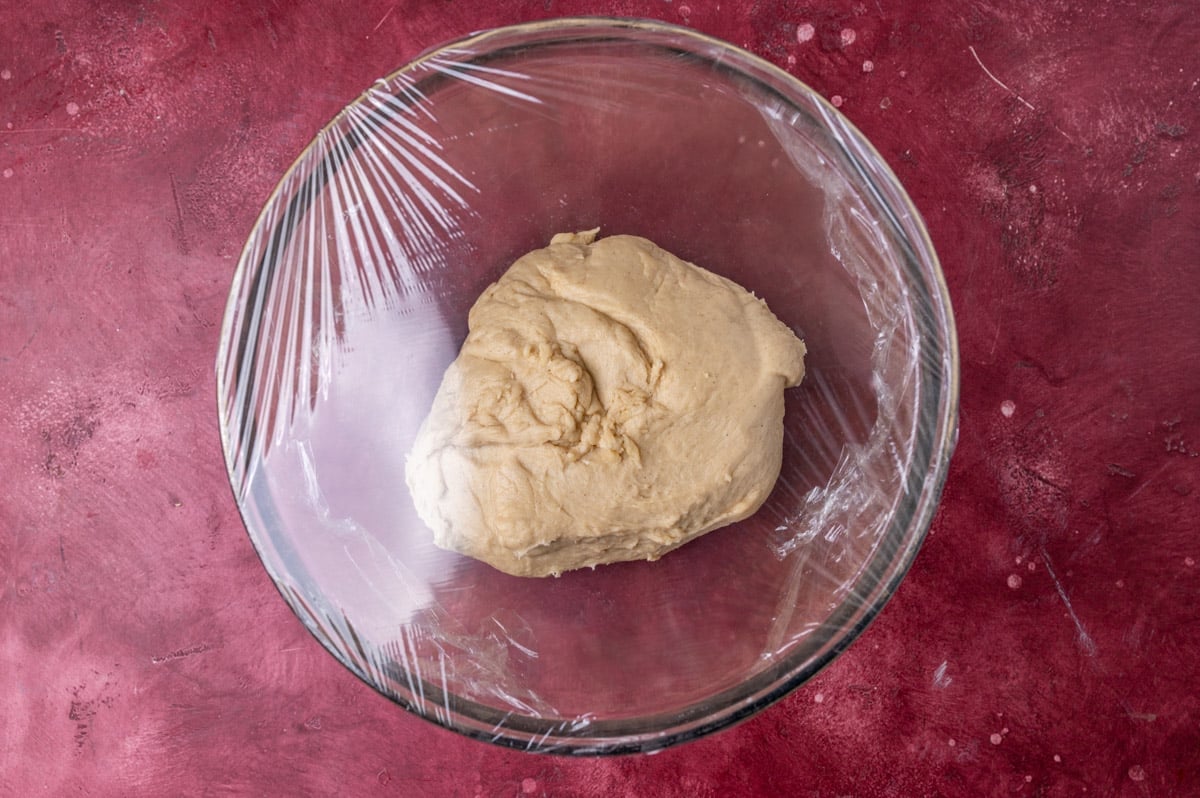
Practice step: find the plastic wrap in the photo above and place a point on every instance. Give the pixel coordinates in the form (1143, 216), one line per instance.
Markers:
(350, 300)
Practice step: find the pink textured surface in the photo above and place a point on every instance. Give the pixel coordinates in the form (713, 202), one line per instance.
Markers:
(1044, 642)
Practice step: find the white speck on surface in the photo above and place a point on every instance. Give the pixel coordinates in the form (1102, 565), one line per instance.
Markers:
(836, 100)
(1189, 561)
(903, 73)
(848, 36)
(1031, 566)
(791, 60)
(529, 786)
(685, 11)
(805, 32)
(819, 698)
(885, 103)
(1014, 581)
(1004, 730)
(1019, 560)
(72, 108)
(8, 172)
(1028, 779)
(6, 75)
(940, 679)
(1032, 189)
(868, 66)
(1120, 583)
(952, 742)
(996, 739)
(1057, 758)
(1007, 408)
(1137, 773)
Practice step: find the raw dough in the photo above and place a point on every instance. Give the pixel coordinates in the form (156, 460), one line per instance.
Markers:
(611, 402)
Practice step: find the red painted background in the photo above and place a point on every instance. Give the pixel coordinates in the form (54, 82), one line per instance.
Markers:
(1045, 642)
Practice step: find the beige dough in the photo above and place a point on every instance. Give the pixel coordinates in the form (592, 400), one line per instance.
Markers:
(611, 402)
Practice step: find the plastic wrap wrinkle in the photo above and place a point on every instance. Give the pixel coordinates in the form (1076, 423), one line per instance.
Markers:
(604, 87)
(483, 659)
(850, 494)
(351, 189)
(466, 72)
(777, 637)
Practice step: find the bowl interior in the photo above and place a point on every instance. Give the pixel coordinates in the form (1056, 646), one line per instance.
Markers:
(351, 299)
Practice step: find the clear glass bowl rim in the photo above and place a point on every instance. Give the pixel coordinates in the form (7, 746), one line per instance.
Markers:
(937, 423)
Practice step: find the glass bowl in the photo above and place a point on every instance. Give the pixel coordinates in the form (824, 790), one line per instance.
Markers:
(351, 298)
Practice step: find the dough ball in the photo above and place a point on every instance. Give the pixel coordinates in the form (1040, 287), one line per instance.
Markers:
(611, 402)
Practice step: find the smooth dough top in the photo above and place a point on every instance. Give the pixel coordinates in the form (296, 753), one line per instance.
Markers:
(611, 402)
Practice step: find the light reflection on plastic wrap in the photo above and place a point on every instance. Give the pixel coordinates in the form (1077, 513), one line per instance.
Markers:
(351, 298)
